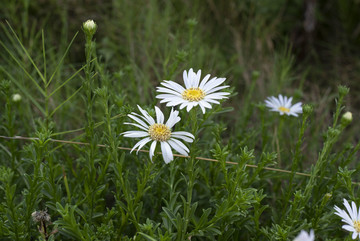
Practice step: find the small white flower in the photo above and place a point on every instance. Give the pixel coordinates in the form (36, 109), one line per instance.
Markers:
(283, 105)
(196, 93)
(90, 26)
(304, 236)
(16, 97)
(353, 221)
(157, 131)
(347, 117)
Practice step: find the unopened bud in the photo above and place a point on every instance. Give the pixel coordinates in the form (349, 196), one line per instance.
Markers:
(343, 90)
(90, 27)
(346, 118)
(307, 109)
(328, 195)
(16, 97)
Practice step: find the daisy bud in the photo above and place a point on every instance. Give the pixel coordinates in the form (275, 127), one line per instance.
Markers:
(16, 97)
(255, 75)
(89, 27)
(343, 90)
(325, 199)
(307, 109)
(346, 118)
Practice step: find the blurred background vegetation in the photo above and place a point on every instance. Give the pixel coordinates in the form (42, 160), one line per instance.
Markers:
(303, 48)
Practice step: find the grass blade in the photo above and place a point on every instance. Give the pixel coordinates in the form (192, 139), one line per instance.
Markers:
(26, 53)
(23, 68)
(65, 101)
(62, 59)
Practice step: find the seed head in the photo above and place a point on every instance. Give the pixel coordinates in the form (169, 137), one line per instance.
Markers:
(41, 216)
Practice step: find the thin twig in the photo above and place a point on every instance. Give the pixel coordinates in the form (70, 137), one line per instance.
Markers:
(177, 155)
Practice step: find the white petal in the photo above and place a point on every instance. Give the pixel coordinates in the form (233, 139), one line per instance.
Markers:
(138, 120)
(341, 213)
(185, 77)
(354, 210)
(217, 96)
(184, 105)
(275, 101)
(206, 104)
(202, 107)
(137, 125)
(167, 96)
(182, 145)
(354, 235)
(166, 152)
(173, 118)
(159, 115)
(216, 89)
(213, 83)
(348, 228)
(211, 101)
(196, 80)
(184, 133)
(281, 100)
(152, 149)
(184, 138)
(190, 106)
(134, 134)
(270, 104)
(204, 81)
(175, 102)
(147, 116)
(350, 211)
(288, 103)
(140, 144)
(166, 90)
(174, 86)
(177, 148)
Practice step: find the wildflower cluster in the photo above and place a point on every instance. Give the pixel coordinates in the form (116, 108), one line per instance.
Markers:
(196, 94)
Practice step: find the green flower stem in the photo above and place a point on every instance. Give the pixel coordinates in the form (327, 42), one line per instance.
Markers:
(295, 162)
(10, 128)
(191, 174)
(278, 136)
(90, 136)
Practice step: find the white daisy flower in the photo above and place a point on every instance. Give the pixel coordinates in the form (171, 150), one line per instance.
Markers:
(195, 92)
(283, 105)
(157, 131)
(304, 236)
(353, 221)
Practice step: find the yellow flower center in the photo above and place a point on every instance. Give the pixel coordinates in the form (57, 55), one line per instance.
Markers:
(357, 226)
(193, 94)
(159, 132)
(284, 109)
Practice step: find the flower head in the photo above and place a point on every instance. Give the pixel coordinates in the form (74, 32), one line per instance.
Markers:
(352, 221)
(195, 92)
(304, 236)
(158, 131)
(90, 27)
(16, 97)
(346, 118)
(283, 105)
